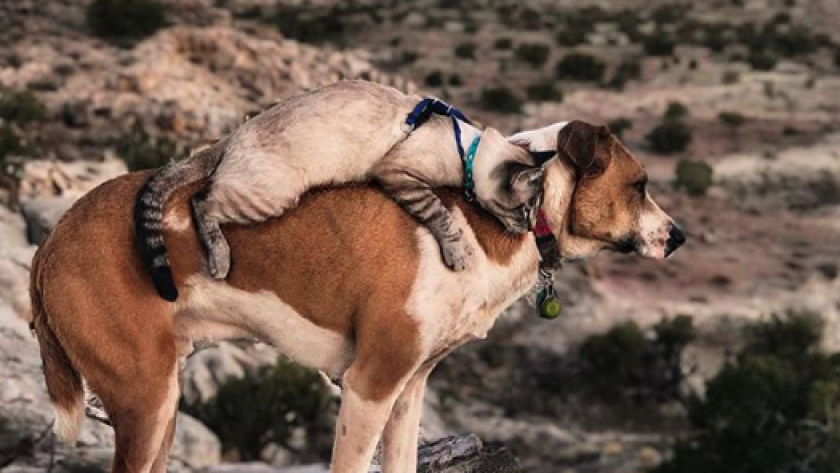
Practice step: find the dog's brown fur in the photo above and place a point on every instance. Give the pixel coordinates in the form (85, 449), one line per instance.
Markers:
(351, 261)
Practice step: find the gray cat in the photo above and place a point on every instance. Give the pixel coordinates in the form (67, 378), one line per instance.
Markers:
(346, 132)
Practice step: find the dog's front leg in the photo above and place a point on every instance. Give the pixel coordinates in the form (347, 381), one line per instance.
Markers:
(399, 441)
(360, 424)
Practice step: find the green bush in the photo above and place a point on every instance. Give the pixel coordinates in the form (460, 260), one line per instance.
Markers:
(624, 362)
(775, 408)
(21, 107)
(269, 406)
(580, 67)
(544, 91)
(11, 144)
(619, 125)
(534, 54)
(675, 111)
(309, 24)
(465, 51)
(694, 177)
(500, 99)
(659, 43)
(140, 150)
(434, 79)
(670, 136)
(130, 19)
(573, 33)
(733, 120)
(503, 43)
(762, 60)
(626, 71)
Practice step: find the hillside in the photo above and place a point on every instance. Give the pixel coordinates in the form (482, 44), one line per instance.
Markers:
(757, 88)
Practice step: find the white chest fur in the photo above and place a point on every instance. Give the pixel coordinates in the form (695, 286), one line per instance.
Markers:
(454, 307)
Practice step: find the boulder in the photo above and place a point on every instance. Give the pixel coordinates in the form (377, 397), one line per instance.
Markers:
(43, 214)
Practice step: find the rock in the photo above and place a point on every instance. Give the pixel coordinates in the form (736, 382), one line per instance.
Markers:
(195, 445)
(43, 178)
(467, 454)
(649, 457)
(42, 215)
(208, 368)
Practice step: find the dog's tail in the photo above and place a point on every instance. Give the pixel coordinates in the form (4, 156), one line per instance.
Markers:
(64, 383)
(149, 207)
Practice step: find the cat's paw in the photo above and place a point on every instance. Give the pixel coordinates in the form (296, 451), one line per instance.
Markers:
(218, 261)
(457, 255)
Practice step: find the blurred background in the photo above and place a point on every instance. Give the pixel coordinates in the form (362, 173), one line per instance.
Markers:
(722, 358)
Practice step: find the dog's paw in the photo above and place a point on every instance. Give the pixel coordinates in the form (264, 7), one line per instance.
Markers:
(457, 255)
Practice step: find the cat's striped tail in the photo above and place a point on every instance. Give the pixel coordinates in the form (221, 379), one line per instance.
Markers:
(149, 209)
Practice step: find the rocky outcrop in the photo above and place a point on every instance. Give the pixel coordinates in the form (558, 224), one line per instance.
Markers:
(467, 454)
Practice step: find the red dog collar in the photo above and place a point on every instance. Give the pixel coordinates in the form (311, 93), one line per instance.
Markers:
(542, 228)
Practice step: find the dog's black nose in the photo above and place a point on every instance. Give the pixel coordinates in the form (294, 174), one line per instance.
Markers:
(676, 238)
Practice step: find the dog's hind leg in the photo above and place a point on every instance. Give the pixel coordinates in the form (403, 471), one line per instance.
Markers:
(399, 440)
(143, 414)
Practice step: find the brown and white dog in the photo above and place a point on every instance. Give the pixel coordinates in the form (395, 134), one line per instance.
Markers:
(363, 296)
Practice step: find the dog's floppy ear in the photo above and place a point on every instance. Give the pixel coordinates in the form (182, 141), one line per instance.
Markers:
(579, 142)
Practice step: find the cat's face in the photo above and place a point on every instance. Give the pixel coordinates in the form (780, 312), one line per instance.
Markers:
(507, 183)
(596, 198)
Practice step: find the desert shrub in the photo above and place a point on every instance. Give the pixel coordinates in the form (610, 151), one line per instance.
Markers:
(434, 79)
(544, 91)
(761, 60)
(465, 51)
(675, 111)
(573, 33)
(140, 150)
(626, 71)
(503, 44)
(131, 19)
(534, 54)
(625, 362)
(733, 120)
(668, 13)
(670, 136)
(11, 144)
(270, 406)
(580, 67)
(310, 24)
(619, 125)
(694, 177)
(529, 18)
(500, 99)
(21, 106)
(774, 408)
(659, 43)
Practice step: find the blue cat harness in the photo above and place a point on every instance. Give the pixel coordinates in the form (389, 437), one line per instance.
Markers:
(421, 113)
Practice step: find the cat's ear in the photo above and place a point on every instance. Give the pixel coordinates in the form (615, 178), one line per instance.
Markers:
(579, 143)
(527, 183)
(527, 187)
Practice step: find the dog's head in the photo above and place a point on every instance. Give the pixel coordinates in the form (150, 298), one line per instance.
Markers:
(596, 196)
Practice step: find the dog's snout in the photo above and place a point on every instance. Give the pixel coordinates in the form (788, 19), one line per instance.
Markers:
(676, 238)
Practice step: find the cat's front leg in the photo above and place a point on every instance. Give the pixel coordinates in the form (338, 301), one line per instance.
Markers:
(418, 199)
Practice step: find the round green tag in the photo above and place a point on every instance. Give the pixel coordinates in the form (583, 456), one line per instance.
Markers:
(550, 308)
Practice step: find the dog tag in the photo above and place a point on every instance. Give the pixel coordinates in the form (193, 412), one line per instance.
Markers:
(547, 303)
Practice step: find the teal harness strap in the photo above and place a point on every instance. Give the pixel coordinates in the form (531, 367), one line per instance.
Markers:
(469, 159)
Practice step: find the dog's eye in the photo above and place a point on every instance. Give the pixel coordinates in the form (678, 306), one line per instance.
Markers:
(641, 187)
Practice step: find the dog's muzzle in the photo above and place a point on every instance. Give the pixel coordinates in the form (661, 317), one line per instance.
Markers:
(676, 238)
